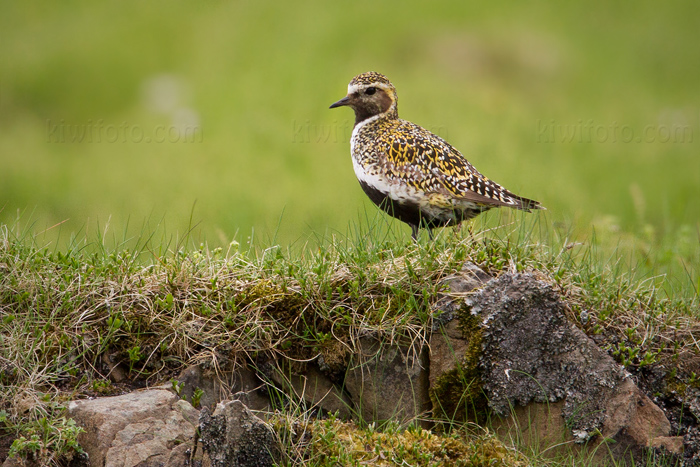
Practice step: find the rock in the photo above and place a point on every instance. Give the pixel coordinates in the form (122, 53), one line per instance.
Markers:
(455, 384)
(388, 381)
(117, 373)
(14, 462)
(447, 349)
(681, 403)
(233, 437)
(672, 444)
(142, 428)
(531, 353)
(632, 420)
(455, 344)
(538, 370)
(470, 278)
(240, 384)
(691, 446)
(315, 388)
(541, 426)
(196, 377)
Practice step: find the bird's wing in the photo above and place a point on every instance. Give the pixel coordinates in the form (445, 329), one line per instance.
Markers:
(428, 163)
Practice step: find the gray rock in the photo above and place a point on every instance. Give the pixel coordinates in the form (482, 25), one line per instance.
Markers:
(532, 353)
(388, 381)
(314, 387)
(15, 462)
(241, 384)
(537, 370)
(468, 279)
(117, 373)
(233, 437)
(448, 345)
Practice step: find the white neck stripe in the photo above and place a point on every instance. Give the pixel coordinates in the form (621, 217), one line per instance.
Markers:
(357, 129)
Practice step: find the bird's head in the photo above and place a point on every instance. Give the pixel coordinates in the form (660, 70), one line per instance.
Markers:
(370, 94)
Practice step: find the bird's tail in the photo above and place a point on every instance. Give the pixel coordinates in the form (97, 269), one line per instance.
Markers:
(525, 204)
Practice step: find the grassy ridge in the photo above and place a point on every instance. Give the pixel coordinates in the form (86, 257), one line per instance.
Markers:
(154, 311)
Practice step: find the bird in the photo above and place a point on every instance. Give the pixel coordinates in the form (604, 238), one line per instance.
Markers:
(411, 173)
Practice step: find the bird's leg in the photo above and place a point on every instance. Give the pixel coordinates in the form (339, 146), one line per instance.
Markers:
(470, 229)
(414, 232)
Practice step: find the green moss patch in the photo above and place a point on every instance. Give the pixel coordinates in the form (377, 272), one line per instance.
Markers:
(332, 442)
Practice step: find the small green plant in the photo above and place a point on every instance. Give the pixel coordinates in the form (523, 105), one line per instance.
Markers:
(101, 386)
(114, 324)
(177, 386)
(166, 303)
(48, 440)
(625, 354)
(135, 356)
(649, 358)
(197, 397)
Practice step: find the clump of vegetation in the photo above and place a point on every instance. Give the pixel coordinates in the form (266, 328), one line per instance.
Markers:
(344, 443)
(333, 442)
(48, 441)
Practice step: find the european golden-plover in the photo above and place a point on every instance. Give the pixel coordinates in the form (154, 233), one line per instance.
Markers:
(411, 173)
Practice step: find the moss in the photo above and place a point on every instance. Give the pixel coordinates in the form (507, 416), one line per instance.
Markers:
(674, 386)
(332, 442)
(681, 386)
(457, 394)
(334, 356)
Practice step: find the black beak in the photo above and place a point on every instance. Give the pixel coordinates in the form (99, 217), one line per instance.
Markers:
(344, 101)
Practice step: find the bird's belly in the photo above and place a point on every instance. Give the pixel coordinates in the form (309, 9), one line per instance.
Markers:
(406, 202)
(396, 190)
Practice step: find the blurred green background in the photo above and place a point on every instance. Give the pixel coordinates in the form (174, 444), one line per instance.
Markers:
(215, 114)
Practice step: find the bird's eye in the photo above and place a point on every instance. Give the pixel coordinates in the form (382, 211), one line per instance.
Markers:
(370, 91)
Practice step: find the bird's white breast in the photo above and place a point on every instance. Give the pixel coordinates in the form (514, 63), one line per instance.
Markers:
(364, 169)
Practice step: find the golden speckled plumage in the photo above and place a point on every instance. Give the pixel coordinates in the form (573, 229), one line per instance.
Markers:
(369, 78)
(411, 173)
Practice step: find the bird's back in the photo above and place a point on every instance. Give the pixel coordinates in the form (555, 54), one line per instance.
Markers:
(399, 153)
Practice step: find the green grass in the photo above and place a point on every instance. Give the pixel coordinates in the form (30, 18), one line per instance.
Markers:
(505, 84)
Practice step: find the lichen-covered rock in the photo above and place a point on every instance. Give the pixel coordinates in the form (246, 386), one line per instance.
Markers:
(533, 366)
(532, 353)
(455, 346)
(456, 391)
(464, 282)
(233, 437)
(382, 381)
